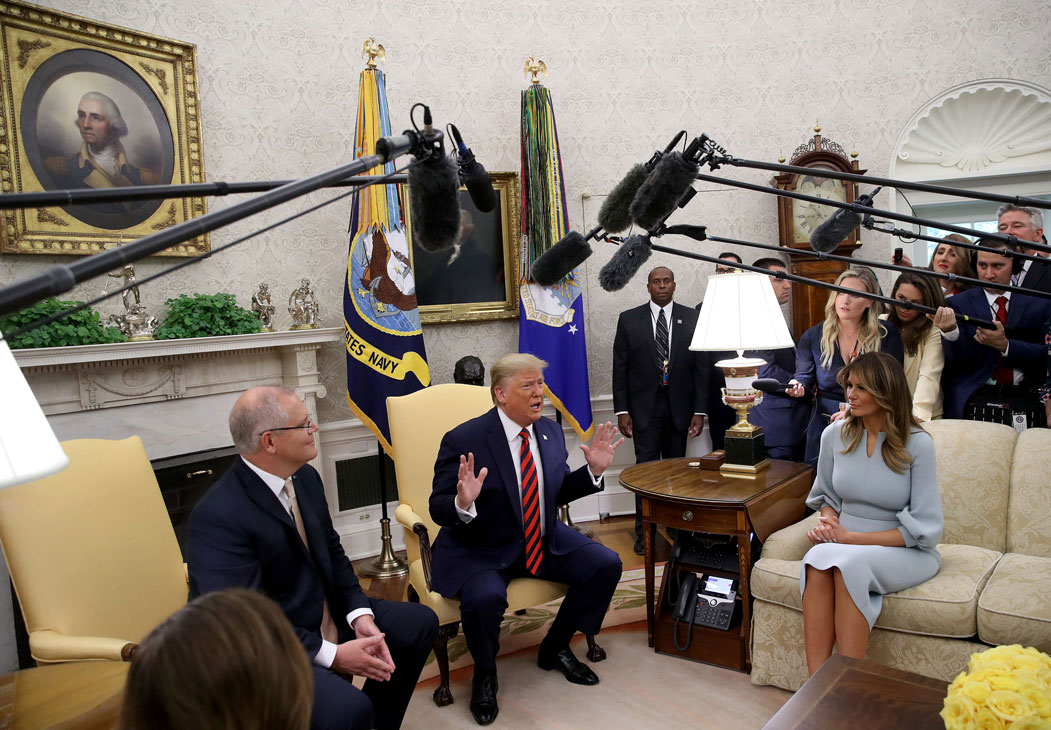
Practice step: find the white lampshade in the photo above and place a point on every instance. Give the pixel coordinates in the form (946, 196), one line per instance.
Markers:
(28, 447)
(740, 312)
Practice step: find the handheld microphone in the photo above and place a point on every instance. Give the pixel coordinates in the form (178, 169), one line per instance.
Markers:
(614, 215)
(665, 186)
(827, 236)
(434, 196)
(473, 175)
(618, 271)
(770, 385)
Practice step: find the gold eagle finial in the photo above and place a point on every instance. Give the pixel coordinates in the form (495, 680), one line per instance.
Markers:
(373, 51)
(535, 67)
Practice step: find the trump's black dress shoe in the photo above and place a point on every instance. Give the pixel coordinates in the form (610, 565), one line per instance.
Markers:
(563, 660)
(483, 698)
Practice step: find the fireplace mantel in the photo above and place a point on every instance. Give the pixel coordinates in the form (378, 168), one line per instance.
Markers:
(174, 394)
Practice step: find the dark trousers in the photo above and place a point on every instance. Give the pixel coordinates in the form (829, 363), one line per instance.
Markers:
(999, 404)
(410, 630)
(591, 573)
(658, 439)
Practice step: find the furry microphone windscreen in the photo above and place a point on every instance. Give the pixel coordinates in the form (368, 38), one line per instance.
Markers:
(555, 264)
(660, 193)
(618, 271)
(827, 236)
(434, 202)
(614, 216)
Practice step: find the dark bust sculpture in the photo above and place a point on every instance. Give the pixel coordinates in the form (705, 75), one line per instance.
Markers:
(469, 371)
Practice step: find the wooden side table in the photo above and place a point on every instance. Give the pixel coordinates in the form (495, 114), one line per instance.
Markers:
(677, 495)
(73, 696)
(848, 692)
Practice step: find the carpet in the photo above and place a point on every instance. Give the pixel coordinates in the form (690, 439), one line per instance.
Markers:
(518, 632)
(638, 689)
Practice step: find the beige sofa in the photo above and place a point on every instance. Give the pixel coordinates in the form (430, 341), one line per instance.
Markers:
(994, 586)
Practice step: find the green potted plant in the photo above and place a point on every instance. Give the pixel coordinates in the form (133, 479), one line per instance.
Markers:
(206, 315)
(83, 327)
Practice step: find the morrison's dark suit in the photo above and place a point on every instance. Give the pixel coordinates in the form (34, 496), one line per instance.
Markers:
(474, 560)
(969, 365)
(782, 418)
(1038, 276)
(240, 535)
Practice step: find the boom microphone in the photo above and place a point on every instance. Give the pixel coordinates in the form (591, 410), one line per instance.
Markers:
(555, 264)
(665, 186)
(618, 271)
(473, 175)
(827, 236)
(614, 215)
(770, 385)
(434, 201)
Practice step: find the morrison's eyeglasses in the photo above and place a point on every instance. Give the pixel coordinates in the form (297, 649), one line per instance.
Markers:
(308, 425)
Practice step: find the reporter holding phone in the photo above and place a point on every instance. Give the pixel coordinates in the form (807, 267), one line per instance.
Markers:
(881, 513)
(851, 327)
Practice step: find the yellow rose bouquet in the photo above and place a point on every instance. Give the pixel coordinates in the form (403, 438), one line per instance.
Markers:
(1004, 688)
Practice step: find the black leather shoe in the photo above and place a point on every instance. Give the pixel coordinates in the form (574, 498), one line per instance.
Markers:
(563, 660)
(483, 698)
(640, 547)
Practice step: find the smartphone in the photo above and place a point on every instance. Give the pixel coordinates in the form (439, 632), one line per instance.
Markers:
(897, 255)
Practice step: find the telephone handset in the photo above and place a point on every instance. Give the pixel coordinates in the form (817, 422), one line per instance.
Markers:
(707, 600)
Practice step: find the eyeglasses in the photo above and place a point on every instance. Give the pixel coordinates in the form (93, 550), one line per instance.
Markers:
(308, 425)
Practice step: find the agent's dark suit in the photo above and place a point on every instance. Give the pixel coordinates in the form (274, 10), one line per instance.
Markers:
(240, 535)
(782, 418)
(969, 365)
(474, 560)
(1038, 276)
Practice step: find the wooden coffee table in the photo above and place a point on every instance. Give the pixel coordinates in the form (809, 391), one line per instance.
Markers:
(858, 693)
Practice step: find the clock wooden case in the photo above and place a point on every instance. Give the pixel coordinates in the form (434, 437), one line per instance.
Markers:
(797, 220)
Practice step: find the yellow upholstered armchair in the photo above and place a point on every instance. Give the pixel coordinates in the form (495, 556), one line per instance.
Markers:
(92, 553)
(417, 424)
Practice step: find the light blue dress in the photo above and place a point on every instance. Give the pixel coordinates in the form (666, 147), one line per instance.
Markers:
(870, 497)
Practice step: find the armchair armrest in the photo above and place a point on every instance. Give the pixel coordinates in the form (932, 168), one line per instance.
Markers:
(408, 518)
(790, 543)
(51, 646)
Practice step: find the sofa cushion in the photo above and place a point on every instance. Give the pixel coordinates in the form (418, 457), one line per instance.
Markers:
(1014, 607)
(1029, 509)
(943, 606)
(974, 471)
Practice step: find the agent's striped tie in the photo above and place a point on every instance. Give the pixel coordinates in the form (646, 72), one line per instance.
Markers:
(530, 508)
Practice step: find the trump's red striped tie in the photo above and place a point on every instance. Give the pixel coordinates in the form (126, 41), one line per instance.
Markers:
(530, 508)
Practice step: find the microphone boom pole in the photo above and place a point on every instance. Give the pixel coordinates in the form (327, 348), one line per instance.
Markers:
(80, 196)
(715, 162)
(59, 279)
(865, 210)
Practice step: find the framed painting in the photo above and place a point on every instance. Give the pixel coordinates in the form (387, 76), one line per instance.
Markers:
(477, 279)
(89, 105)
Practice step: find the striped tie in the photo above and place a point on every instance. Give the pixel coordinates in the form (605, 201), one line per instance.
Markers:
(530, 508)
(661, 336)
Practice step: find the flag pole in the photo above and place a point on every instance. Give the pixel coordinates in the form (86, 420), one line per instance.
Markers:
(386, 564)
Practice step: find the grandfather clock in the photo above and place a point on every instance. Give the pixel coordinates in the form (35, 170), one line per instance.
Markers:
(797, 219)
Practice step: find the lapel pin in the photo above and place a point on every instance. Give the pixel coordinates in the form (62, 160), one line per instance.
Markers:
(544, 435)
(678, 321)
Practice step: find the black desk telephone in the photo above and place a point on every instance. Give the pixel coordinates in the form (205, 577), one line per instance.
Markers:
(703, 599)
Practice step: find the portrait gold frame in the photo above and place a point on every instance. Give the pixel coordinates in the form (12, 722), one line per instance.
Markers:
(33, 35)
(506, 186)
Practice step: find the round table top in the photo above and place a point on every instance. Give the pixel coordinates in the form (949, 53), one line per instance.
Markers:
(82, 695)
(677, 480)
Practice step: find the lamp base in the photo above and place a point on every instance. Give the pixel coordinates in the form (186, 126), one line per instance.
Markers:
(745, 453)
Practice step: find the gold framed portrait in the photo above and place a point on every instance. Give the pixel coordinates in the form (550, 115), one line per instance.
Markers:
(478, 278)
(90, 105)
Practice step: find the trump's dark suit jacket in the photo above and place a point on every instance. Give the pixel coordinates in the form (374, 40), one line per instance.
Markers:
(968, 365)
(241, 536)
(495, 538)
(636, 372)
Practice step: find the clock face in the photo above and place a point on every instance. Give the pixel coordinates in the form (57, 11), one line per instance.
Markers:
(807, 216)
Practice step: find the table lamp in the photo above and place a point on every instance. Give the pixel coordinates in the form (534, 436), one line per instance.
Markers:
(741, 313)
(28, 447)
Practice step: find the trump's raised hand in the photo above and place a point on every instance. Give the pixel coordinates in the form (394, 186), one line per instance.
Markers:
(600, 454)
(468, 484)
